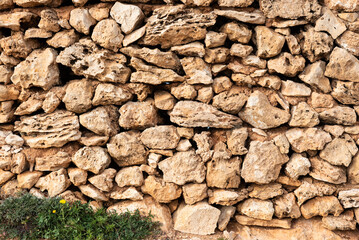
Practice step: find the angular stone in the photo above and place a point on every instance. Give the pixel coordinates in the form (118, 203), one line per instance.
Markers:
(5, 176)
(18, 163)
(160, 137)
(29, 106)
(324, 171)
(78, 96)
(342, 66)
(308, 191)
(6, 111)
(330, 23)
(197, 2)
(5, 74)
(262, 163)
(14, 140)
(349, 41)
(346, 92)
(235, 3)
(107, 33)
(130, 193)
(104, 180)
(55, 182)
(15, 20)
(297, 166)
(101, 120)
(353, 170)
(160, 212)
(313, 75)
(152, 75)
(5, 4)
(127, 149)
(107, 94)
(37, 33)
(164, 100)
(92, 192)
(256, 208)
(138, 115)
(183, 167)
(129, 176)
(200, 218)
(98, 12)
(293, 44)
(185, 113)
(194, 192)
(49, 20)
(237, 32)
(307, 139)
(230, 101)
(236, 141)
(240, 50)
(254, 17)
(205, 94)
(197, 70)
(340, 151)
(286, 206)
(176, 25)
(63, 39)
(86, 59)
(349, 198)
(261, 114)
(286, 64)
(214, 39)
(184, 91)
(10, 189)
(28, 179)
(77, 176)
(53, 163)
(294, 89)
(161, 191)
(216, 55)
(266, 191)
(17, 46)
(49, 130)
(347, 6)
(134, 36)
(128, 16)
(81, 20)
(223, 173)
(290, 10)
(321, 206)
(277, 223)
(338, 115)
(195, 49)
(154, 56)
(94, 159)
(343, 222)
(27, 74)
(226, 197)
(303, 115)
(269, 43)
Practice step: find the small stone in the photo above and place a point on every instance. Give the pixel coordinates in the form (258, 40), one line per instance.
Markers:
(307, 139)
(235, 3)
(330, 23)
(262, 163)
(185, 132)
(15, 20)
(107, 94)
(240, 50)
(78, 96)
(321, 206)
(353, 170)
(226, 197)
(347, 6)
(5, 74)
(18, 163)
(197, 2)
(349, 41)
(6, 176)
(303, 116)
(28, 179)
(77, 176)
(94, 159)
(277, 223)
(256, 208)
(104, 180)
(237, 32)
(200, 218)
(214, 39)
(266, 191)
(282, 143)
(205, 94)
(130, 193)
(92, 192)
(164, 100)
(230, 101)
(293, 45)
(254, 16)
(128, 16)
(16, 46)
(49, 20)
(81, 20)
(195, 49)
(161, 191)
(138, 115)
(197, 70)
(286, 206)
(10, 189)
(227, 212)
(343, 222)
(261, 114)
(53, 163)
(55, 182)
(338, 115)
(269, 43)
(297, 166)
(308, 191)
(335, 130)
(236, 141)
(91, 139)
(63, 39)
(107, 33)
(287, 64)
(129, 176)
(194, 192)
(37, 33)
(223, 173)
(98, 12)
(349, 198)
(183, 167)
(216, 55)
(184, 91)
(294, 89)
(134, 36)
(313, 74)
(324, 171)
(346, 92)
(160, 137)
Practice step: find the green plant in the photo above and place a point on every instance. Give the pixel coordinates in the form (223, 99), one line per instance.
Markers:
(28, 217)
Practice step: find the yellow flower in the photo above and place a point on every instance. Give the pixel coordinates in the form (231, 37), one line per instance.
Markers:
(62, 201)
(53, 211)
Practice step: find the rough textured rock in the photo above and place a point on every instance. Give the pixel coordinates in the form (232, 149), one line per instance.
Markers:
(54, 162)
(353, 170)
(297, 166)
(254, 16)
(330, 23)
(349, 198)
(223, 173)
(92, 192)
(104, 180)
(269, 43)
(200, 218)
(129, 176)
(81, 20)
(344, 221)
(160, 137)
(17, 46)
(93, 159)
(324, 171)
(63, 39)
(274, 223)
(303, 116)
(339, 115)
(286, 206)
(107, 94)
(78, 96)
(164, 100)
(286, 64)
(161, 191)
(294, 89)
(226, 197)
(265, 191)
(314, 75)
(321, 206)
(194, 192)
(128, 16)
(183, 167)
(138, 115)
(227, 212)
(308, 191)
(261, 114)
(197, 70)
(186, 114)
(349, 41)
(28, 179)
(345, 92)
(107, 33)
(237, 32)
(262, 163)
(230, 101)
(52, 130)
(256, 208)
(77, 176)
(55, 182)
(304, 139)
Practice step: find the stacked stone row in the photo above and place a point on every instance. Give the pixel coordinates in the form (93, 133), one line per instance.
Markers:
(199, 111)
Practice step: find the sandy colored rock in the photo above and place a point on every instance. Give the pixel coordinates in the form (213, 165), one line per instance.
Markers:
(200, 218)
(344, 221)
(197, 70)
(17, 46)
(274, 223)
(255, 16)
(10, 189)
(53, 163)
(134, 36)
(308, 190)
(14, 20)
(161, 191)
(5, 74)
(160, 137)
(336, 26)
(164, 100)
(104, 180)
(177, 25)
(92, 192)
(214, 39)
(28, 179)
(77, 176)
(349, 198)
(37, 33)
(86, 59)
(235, 3)
(287, 64)
(107, 94)
(255, 208)
(185, 113)
(313, 75)
(297, 166)
(262, 163)
(78, 96)
(303, 116)
(194, 192)
(324, 171)
(223, 173)
(338, 115)
(236, 141)
(230, 101)
(94, 159)
(269, 43)
(129, 176)
(55, 182)
(216, 55)
(265, 191)
(303, 139)
(138, 115)
(240, 50)
(345, 92)
(237, 32)
(52, 130)
(227, 212)
(127, 149)
(184, 91)
(349, 41)
(81, 20)
(5, 176)
(128, 16)
(286, 206)
(294, 89)
(261, 114)
(107, 33)
(226, 197)
(5, 4)
(18, 163)
(195, 49)
(6, 111)
(197, 2)
(205, 94)
(183, 167)
(321, 206)
(353, 170)
(130, 193)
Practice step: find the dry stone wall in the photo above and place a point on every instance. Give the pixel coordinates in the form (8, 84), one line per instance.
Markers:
(203, 112)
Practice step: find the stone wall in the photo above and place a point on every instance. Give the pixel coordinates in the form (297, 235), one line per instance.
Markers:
(201, 111)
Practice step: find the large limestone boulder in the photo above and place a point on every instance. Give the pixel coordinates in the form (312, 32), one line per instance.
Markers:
(94, 159)
(160, 137)
(261, 114)
(49, 130)
(200, 218)
(263, 162)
